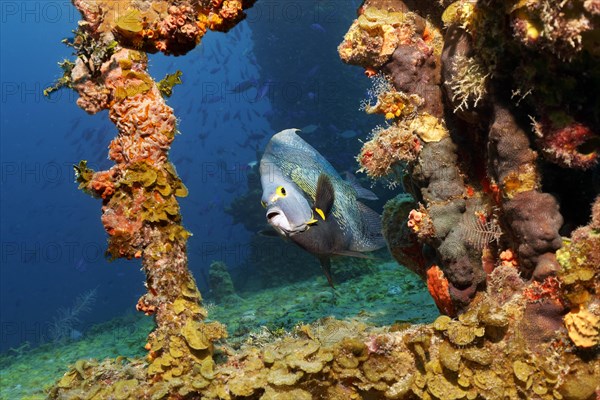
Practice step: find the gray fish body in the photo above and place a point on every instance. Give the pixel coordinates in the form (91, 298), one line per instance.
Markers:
(291, 163)
(324, 240)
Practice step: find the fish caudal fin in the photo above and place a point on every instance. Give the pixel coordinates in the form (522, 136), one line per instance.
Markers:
(326, 266)
(372, 235)
(268, 232)
(324, 197)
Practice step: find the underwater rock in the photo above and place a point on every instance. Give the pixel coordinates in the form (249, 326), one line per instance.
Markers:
(402, 243)
(477, 210)
(416, 68)
(220, 283)
(535, 219)
(430, 159)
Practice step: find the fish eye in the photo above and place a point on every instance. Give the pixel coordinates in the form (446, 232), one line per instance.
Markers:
(263, 203)
(280, 191)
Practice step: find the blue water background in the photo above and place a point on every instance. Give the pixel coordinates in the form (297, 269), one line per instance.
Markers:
(52, 239)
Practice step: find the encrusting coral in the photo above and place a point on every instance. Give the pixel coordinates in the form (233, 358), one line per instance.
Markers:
(140, 211)
(159, 25)
(418, 144)
(478, 180)
(478, 201)
(481, 354)
(520, 300)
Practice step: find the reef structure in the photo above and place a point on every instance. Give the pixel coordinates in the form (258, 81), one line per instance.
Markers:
(476, 126)
(485, 353)
(520, 300)
(139, 193)
(455, 136)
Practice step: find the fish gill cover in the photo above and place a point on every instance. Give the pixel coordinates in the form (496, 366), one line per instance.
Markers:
(490, 139)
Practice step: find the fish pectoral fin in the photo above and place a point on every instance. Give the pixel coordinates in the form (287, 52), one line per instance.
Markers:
(326, 266)
(268, 233)
(311, 221)
(320, 212)
(324, 196)
(350, 253)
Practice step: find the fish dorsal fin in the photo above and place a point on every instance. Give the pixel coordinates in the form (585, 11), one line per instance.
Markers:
(324, 197)
(361, 192)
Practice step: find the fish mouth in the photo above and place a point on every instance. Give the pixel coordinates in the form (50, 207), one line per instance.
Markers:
(278, 220)
(272, 214)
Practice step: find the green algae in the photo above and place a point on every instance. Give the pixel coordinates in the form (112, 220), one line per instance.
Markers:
(137, 83)
(166, 84)
(64, 81)
(281, 309)
(130, 21)
(83, 174)
(26, 376)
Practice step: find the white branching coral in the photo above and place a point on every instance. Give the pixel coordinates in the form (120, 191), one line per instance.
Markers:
(469, 83)
(63, 324)
(564, 28)
(461, 13)
(479, 230)
(381, 84)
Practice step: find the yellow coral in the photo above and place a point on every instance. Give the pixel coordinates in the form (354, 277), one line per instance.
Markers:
(460, 12)
(428, 128)
(195, 338)
(522, 179)
(374, 36)
(394, 104)
(583, 327)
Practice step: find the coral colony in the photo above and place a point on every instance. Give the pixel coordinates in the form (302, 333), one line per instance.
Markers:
(484, 101)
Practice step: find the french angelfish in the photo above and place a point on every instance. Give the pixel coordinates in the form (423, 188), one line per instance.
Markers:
(309, 203)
